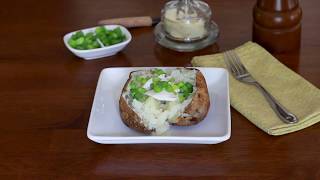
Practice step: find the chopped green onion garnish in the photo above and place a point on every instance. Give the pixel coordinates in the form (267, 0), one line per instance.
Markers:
(157, 88)
(157, 72)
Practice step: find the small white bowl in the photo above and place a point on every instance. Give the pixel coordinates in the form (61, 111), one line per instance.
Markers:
(104, 51)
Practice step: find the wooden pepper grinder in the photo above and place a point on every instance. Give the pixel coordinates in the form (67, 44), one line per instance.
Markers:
(277, 25)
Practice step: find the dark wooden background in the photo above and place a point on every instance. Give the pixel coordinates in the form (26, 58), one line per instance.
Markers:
(46, 96)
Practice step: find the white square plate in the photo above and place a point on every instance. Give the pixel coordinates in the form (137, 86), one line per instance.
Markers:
(106, 127)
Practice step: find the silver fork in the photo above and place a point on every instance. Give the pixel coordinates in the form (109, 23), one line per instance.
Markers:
(240, 73)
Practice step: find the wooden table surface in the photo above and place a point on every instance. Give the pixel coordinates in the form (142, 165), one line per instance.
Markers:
(46, 96)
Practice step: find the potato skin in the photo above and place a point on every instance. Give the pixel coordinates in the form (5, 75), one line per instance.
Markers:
(128, 116)
(199, 106)
(197, 109)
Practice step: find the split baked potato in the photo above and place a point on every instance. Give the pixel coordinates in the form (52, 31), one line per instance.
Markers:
(152, 100)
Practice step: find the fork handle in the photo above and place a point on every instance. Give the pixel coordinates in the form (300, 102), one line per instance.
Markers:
(282, 112)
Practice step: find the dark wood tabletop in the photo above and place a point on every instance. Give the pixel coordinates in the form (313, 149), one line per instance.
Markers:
(47, 92)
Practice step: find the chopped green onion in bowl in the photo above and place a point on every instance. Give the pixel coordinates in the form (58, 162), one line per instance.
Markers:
(86, 44)
(90, 40)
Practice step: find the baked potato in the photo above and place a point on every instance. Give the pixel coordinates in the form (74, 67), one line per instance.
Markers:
(152, 100)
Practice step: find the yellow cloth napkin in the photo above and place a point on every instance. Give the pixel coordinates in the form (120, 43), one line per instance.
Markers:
(291, 90)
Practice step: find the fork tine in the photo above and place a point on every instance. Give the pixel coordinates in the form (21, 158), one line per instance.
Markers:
(226, 60)
(238, 62)
(228, 63)
(235, 63)
(232, 64)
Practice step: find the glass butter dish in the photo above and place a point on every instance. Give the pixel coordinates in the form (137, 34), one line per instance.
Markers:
(186, 25)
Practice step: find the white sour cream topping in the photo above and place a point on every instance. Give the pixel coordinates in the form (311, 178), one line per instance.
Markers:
(162, 96)
(164, 78)
(147, 85)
